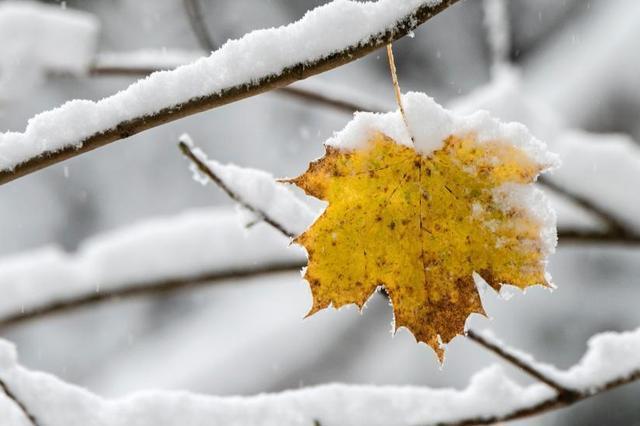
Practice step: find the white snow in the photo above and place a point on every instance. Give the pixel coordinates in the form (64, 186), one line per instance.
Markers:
(258, 189)
(511, 195)
(36, 38)
(238, 62)
(430, 124)
(189, 245)
(610, 356)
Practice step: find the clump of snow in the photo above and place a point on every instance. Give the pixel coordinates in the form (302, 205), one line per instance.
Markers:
(257, 55)
(429, 124)
(366, 124)
(189, 245)
(259, 190)
(36, 38)
(513, 195)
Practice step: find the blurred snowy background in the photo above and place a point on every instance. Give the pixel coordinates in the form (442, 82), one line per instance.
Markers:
(578, 58)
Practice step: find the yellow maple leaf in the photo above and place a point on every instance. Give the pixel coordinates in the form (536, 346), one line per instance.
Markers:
(420, 226)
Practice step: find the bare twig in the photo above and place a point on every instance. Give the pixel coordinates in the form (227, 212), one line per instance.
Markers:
(32, 419)
(204, 168)
(199, 27)
(131, 290)
(231, 94)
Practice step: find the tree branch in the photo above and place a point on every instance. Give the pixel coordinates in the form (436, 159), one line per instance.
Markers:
(520, 363)
(230, 94)
(572, 236)
(147, 289)
(32, 419)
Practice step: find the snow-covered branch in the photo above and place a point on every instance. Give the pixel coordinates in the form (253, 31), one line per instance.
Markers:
(518, 359)
(195, 248)
(610, 361)
(254, 190)
(261, 61)
(491, 396)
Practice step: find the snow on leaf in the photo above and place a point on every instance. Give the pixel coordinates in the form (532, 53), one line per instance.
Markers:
(420, 224)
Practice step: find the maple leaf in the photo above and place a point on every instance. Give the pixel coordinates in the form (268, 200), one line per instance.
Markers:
(420, 225)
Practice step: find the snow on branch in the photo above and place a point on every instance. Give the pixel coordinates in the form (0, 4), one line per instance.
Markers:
(491, 396)
(254, 190)
(611, 360)
(260, 61)
(198, 247)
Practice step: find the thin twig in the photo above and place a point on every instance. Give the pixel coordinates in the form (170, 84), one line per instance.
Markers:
(32, 419)
(256, 86)
(580, 237)
(204, 168)
(199, 27)
(520, 363)
(131, 290)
